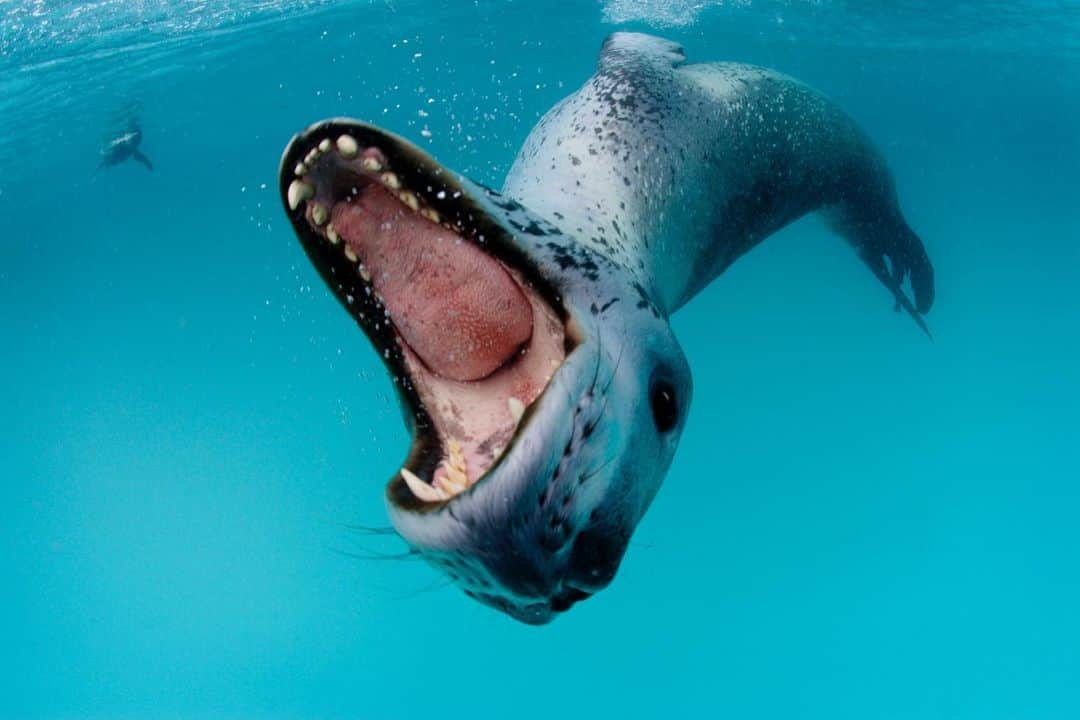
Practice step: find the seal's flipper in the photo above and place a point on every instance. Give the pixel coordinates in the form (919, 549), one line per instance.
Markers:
(894, 281)
(143, 159)
(888, 247)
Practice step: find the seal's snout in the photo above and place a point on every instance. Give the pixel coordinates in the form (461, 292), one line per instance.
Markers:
(591, 565)
(534, 613)
(536, 588)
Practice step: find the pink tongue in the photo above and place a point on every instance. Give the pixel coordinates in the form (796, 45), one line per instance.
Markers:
(456, 307)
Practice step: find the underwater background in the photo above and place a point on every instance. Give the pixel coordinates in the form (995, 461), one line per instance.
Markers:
(859, 523)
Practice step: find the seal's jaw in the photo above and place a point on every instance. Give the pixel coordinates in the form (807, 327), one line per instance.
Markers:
(470, 332)
(524, 362)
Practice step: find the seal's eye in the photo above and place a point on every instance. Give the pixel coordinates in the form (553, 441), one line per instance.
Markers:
(665, 410)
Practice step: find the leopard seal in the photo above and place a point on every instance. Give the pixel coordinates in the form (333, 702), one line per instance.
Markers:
(526, 331)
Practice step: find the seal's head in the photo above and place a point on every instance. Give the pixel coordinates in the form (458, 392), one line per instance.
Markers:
(544, 390)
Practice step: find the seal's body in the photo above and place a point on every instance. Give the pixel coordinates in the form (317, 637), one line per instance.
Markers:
(675, 171)
(547, 398)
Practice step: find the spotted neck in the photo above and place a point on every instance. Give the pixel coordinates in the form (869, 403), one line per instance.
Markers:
(606, 166)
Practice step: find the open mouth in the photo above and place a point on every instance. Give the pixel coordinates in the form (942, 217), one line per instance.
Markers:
(470, 334)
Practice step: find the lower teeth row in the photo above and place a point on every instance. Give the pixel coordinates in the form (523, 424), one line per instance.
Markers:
(453, 480)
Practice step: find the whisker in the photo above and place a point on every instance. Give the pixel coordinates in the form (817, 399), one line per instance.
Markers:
(607, 386)
(376, 531)
(614, 371)
(433, 587)
(596, 368)
(592, 473)
(407, 555)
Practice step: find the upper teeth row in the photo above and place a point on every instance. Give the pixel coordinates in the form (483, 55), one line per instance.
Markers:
(347, 147)
(301, 190)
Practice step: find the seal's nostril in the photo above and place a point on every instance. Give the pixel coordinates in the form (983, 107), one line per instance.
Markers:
(594, 559)
(564, 600)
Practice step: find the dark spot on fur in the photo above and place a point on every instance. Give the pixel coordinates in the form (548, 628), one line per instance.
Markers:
(609, 303)
(533, 228)
(588, 429)
(644, 301)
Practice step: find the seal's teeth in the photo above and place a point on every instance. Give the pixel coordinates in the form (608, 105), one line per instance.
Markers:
(324, 145)
(430, 214)
(364, 274)
(299, 191)
(371, 164)
(410, 200)
(347, 146)
(300, 169)
(457, 457)
(447, 486)
(312, 155)
(456, 480)
(422, 491)
(458, 462)
(390, 180)
(351, 254)
(517, 408)
(319, 213)
(331, 234)
(453, 478)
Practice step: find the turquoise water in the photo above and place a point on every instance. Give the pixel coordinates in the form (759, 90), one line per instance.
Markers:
(859, 522)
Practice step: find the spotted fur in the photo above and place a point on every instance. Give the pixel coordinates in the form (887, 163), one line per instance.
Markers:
(627, 198)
